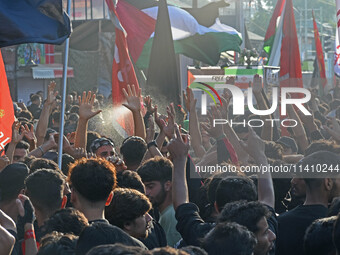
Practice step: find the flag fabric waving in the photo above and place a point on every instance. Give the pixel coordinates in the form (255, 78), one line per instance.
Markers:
(138, 26)
(31, 21)
(290, 64)
(319, 54)
(338, 16)
(162, 78)
(192, 39)
(123, 73)
(336, 63)
(272, 28)
(6, 108)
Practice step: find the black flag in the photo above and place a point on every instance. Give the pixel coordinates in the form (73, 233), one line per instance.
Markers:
(162, 78)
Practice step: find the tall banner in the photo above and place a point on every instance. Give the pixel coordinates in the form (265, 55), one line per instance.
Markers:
(338, 17)
(319, 54)
(6, 108)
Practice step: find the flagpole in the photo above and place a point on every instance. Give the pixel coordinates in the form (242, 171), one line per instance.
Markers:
(63, 98)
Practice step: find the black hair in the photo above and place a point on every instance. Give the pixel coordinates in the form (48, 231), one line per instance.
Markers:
(43, 163)
(57, 244)
(133, 149)
(12, 179)
(156, 169)
(234, 189)
(247, 214)
(229, 239)
(126, 206)
(318, 237)
(45, 189)
(130, 179)
(67, 221)
(99, 233)
(116, 249)
(94, 179)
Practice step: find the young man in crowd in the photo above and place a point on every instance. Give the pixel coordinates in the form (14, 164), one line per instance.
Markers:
(156, 174)
(129, 211)
(92, 183)
(321, 188)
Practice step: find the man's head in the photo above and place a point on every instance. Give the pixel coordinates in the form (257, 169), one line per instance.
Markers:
(156, 174)
(69, 99)
(131, 180)
(252, 215)
(12, 179)
(67, 221)
(21, 151)
(234, 188)
(99, 233)
(322, 145)
(318, 237)
(45, 189)
(298, 188)
(289, 145)
(323, 179)
(133, 149)
(57, 244)
(92, 182)
(117, 249)
(36, 99)
(229, 238)
(129, 211)
(103, 147)
(43, 163)
(336, 234)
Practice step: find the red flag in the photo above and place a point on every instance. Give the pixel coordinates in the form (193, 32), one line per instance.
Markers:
(319, 54)
(6, 108)
(290, 65)
(138, 26)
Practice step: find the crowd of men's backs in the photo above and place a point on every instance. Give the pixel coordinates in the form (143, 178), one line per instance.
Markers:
(145, 195)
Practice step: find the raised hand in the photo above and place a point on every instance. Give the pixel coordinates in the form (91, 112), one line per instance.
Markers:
(160, 119)
(148, 103)
(179, 145)
(189, 99)
(16, 136)
(4, 161)
(51, 94)
(29, 134)
(217, 130)
(133, 98)
(334, 131)
(86, 106)
(169, 128)
(254, 146)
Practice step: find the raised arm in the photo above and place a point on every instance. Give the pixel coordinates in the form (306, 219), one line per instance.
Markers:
(178, 148)
(40, 131)
(299, 131)
(7, 240)
(86, 112)
(194, 130)
(133, 103)
(255, 148)
(16, 137)
(267, 130)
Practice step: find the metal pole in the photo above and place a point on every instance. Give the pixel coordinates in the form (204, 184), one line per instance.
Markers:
(305, 44)
(62, 119)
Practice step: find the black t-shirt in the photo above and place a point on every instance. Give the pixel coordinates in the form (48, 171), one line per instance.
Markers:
(292, 227)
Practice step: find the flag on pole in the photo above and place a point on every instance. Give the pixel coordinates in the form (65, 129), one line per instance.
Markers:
(338, 17)
(138, 26)
(290, 63)
(6, 108)
(337, 55)
(319, 55)
(273, 26)
(123, 72)
(31, 21)
(162, 75)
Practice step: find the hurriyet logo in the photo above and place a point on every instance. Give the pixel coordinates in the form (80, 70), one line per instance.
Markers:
(238, 101)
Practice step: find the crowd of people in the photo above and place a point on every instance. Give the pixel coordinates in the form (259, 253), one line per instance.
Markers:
(160, 191)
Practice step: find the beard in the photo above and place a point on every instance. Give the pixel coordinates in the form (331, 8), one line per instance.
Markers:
(159, 199)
